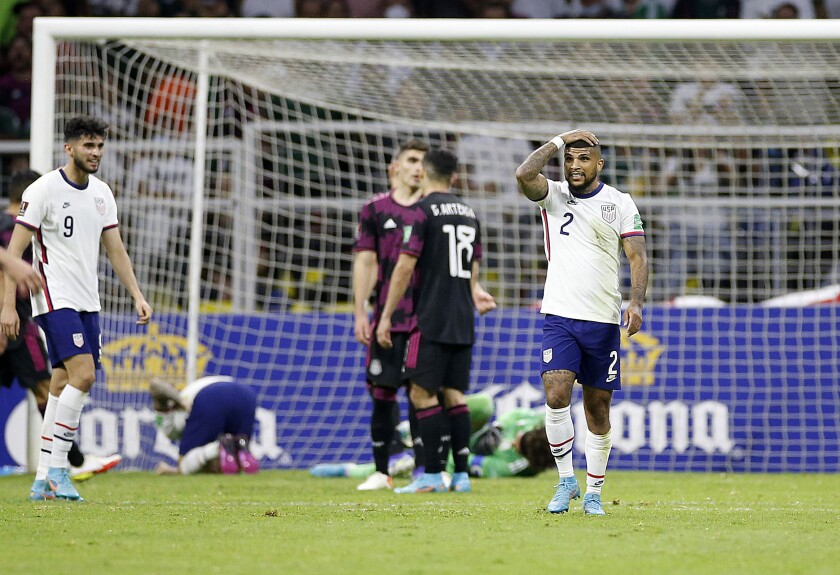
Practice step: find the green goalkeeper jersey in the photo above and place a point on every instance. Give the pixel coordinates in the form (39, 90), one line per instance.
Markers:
(502, 460)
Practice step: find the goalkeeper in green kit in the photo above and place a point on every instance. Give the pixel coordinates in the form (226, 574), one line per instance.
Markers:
(514, 445)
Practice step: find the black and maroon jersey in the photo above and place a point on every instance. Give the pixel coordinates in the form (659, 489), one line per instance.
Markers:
(446, 240)
(384, 225)
(7, 226)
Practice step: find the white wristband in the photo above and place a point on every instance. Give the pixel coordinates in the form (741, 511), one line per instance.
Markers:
(558, 141)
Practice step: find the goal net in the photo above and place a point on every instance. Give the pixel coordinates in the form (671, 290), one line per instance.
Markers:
(727, 135)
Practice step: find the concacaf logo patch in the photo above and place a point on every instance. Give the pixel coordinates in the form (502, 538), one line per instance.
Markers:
(608, 212)
(406, 233)
(23, 206)
(637, 222)
(100, 205)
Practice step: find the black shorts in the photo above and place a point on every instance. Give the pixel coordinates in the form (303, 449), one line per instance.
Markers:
(433, 365)
(26, 360)
(383, 367)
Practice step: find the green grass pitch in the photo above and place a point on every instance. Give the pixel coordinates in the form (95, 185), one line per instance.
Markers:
(282, 522)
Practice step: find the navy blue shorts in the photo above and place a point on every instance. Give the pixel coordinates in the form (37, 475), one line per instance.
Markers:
(588, 348)
(69, 333)
(223, 407)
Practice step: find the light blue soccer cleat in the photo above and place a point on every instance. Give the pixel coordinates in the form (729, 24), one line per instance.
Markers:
(41, 491)
(329, 470)
(592, 504)
(59, 482)
(426, 483)
(460, 482)
(567, 490)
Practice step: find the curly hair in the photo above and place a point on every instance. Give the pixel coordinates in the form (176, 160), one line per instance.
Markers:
(533, 445)
(80, 126)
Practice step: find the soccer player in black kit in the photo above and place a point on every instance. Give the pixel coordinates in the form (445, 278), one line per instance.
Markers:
(444, 249)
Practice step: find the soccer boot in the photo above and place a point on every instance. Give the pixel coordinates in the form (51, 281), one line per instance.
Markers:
(247, 462)
(460, 483)
(377, 480)
(93, 465)
(592, 504)
(59, 482)
(329, 470)
(567, 490)
(427, 483)
(227, 455)
(41, 491)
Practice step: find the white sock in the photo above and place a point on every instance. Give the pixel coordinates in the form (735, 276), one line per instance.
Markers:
(45, 456)
(67, 415)
(561, 435)
(597, 451)
(196, 458)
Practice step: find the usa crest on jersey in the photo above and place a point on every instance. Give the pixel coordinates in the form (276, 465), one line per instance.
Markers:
(608, 212)
(100, 205)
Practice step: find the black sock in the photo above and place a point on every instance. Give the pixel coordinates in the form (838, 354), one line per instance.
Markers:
(75, 456)
(416, 440)
(460, 427)
(429, 420)
(381, 430)
(445, 439)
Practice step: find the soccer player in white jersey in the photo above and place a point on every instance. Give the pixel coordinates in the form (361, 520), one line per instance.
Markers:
(586, 223)
(65, 215)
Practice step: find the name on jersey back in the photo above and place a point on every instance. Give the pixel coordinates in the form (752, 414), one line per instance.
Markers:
(453, 209)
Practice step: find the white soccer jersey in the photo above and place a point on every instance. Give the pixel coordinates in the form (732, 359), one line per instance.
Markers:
(68, 222)
(582, 243)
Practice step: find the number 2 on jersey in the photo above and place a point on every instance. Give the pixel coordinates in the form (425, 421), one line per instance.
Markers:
(569, 217)
(460, 243)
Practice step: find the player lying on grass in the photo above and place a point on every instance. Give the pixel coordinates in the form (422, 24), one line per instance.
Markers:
(513, 445)
(213, 417)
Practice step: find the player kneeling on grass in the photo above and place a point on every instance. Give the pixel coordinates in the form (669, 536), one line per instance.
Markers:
(213, 417)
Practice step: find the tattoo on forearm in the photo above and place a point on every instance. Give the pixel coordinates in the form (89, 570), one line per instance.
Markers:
(537, 161)
(527, 174)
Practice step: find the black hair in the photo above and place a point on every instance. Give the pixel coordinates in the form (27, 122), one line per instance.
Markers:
(581, 144)
(533, 445)
(81, 126)
(19, 182)
(440, 164)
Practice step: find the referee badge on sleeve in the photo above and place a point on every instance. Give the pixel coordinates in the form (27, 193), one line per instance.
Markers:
(78, 339)
(547, 355)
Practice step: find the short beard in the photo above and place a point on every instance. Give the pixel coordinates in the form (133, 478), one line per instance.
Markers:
(81, 166)
(581, 190)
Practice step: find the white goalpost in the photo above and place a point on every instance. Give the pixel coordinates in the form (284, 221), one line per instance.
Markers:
(240, 152)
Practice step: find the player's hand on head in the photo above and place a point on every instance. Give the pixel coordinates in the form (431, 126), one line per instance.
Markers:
(383, 333)
(144, 311)
(575, 135)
